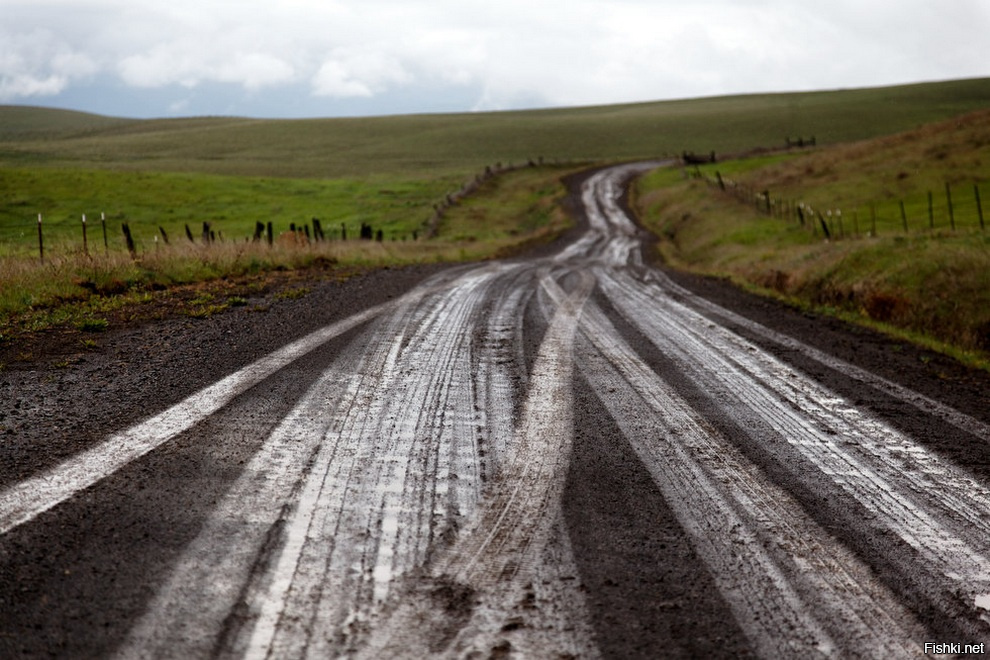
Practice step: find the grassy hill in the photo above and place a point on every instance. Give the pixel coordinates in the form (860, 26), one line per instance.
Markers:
(458, 144)
(895, 256)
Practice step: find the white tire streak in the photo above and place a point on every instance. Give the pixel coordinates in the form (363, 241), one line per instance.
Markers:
(929, 503)
(514, 557)
(267, 492)
(390, 469)
(393, 500)
(924, 403)
(213, 572)
(775, 566)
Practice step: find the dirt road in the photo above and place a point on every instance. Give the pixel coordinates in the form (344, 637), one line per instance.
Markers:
(568, 455)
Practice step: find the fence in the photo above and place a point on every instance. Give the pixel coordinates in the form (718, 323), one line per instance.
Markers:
(954, 207)
(300, 234)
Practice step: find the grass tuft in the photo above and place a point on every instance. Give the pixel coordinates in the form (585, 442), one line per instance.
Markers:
(92, 325)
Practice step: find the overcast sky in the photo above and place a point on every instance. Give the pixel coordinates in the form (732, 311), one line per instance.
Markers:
(306, 58)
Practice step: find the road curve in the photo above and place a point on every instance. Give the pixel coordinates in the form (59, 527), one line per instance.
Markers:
(565, 456)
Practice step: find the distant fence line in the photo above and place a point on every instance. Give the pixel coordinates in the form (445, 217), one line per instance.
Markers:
(312, 231)
(954, 207)
(432, 225)
(297, 234)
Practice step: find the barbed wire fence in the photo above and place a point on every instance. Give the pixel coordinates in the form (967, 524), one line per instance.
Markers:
(956, 207)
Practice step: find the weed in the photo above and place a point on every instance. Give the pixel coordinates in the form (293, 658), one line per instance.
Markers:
(206, 311)
(92, 324)
(88, 343)
(237, 301)
(202, 299)
(292, 294)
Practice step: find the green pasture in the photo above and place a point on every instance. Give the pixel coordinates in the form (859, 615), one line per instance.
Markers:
(932, 284)
(232, 205)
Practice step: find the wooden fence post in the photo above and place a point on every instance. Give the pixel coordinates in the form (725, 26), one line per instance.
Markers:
(85, 241)
(103, 223)
(979, 206)
(128, 238)
(41, 241)
(904, 217)
(821, 218)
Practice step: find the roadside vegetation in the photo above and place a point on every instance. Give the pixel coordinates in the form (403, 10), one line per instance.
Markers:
(921, 274)
(70, 287)
(166, 178)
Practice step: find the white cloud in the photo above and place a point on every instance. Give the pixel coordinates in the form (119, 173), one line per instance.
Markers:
(38, 63)
(360, 72)
(333, 79)
(516, 52)
(192, 62)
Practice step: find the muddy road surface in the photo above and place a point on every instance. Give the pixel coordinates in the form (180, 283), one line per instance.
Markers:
(572, 455)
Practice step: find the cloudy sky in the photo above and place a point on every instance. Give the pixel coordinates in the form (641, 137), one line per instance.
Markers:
(306, 58)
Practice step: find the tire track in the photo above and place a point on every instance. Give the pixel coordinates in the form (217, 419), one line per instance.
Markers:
(350, 435)
(24, 501)
(924, 403)
(409, 503)
(514, 559)
(691, 464)
(861, 455)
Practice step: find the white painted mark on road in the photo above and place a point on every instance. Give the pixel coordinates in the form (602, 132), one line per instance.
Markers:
(26, 500)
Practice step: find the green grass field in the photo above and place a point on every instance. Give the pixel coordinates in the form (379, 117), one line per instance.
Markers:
(231, 204)
(390, 172)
